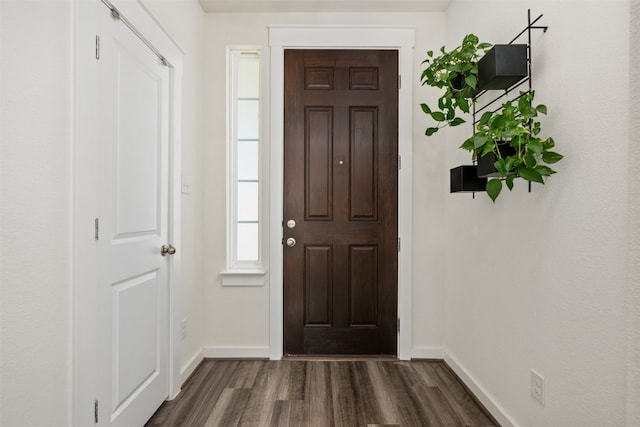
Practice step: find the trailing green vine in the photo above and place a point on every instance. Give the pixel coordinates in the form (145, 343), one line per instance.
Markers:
(457, 73)
(514, 124)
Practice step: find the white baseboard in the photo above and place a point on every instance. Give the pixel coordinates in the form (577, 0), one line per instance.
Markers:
(496, 410)
(426, 352)
(191, 366)
(236, 352)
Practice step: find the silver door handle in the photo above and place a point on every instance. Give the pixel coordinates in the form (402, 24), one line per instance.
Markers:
(291, 242)
(167, 249)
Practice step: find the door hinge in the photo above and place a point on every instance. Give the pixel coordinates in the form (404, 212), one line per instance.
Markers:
(399, 162)
(398, 324)
(96, 226)
(398, 244)
(399, 82)
(97, 47)
(95, 411)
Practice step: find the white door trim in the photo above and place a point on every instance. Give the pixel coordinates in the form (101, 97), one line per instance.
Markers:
(85, 198)
(341, 37)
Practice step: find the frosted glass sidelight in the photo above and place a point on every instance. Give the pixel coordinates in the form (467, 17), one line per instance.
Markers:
(247, 243)
(248, 155)
(244, 168)
(247, 201)
(249, 77)
(248, 119)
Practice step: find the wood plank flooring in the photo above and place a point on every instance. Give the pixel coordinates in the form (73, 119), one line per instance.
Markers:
(322, 393)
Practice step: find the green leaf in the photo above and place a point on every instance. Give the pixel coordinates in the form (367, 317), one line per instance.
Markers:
(425, 108)
(501, 166)
(498, 123)
(544, 170)
(456, 121)
(488, 148)
(535, 145)
(548, 144)
(467, 66)
(551, 157)
(509, 162)
(430, 131)
(484, 46)
(494, 187)
(430, 53)
(468, 144)
(529, 160)
(479, 141)
(471, 81)
(463, 104)
(451, 114)
(438, 116)
(509, 181)
(530, 175)
(484, 119)
(542, 109)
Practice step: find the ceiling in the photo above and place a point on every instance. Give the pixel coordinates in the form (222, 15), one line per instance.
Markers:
(243, 6)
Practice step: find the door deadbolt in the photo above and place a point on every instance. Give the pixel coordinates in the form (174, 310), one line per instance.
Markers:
(291, 223)
(167, 249)
(291, 242)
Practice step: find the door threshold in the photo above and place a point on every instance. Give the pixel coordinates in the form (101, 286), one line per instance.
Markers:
(340, 358)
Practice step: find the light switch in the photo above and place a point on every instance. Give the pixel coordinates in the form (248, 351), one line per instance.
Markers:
(186, 187)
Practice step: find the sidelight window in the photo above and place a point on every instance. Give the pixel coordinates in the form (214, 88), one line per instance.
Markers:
(244, 172)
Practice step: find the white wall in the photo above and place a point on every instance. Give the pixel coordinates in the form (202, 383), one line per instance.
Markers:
(539, 280)
(184, 21)
(633, 353)
(35, 212)
(239, 317)
(561, 296)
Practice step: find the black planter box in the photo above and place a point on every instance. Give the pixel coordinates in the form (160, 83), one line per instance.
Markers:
(464, 179)
(486, 168)
(503, 66)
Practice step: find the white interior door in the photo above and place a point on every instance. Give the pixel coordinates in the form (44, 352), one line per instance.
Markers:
(133, 198)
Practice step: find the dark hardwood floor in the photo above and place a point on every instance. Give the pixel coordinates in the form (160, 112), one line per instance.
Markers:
(322, 393)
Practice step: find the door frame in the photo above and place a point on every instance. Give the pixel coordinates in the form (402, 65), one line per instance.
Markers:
(341, 37)
(84, 264)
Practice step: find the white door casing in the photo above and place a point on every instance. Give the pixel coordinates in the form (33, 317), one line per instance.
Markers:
(126, 327)
(341, 37)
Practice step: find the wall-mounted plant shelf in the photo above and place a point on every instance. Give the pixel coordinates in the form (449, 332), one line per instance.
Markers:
(504, 67)
(476, 70)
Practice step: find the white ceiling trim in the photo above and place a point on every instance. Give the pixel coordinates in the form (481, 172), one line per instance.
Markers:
(284, 6)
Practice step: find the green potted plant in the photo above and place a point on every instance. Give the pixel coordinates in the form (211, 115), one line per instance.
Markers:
(510, 137)
(456, 72)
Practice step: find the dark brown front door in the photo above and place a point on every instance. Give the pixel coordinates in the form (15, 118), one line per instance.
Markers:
(341, 190)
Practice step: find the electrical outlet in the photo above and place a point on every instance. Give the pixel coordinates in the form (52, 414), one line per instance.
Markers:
(183, 328)
(537, 387)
